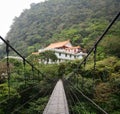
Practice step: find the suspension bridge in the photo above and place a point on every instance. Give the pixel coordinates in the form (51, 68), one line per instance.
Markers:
(58, 102)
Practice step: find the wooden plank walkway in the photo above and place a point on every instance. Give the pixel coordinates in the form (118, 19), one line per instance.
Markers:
(57, 103)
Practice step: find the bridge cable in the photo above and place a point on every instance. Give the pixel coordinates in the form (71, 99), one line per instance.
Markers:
(19, 93)
(8, 44)
(76, 98)
(33, 97)
(88, 98)
(94, 49)
(71, 101)
(100, 38)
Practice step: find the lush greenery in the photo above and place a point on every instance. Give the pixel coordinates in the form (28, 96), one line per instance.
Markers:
(34, 94)
(29, 90)
(48, 55)
(81, 21)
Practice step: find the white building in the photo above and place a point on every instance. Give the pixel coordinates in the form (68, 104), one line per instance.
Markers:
(64, 51)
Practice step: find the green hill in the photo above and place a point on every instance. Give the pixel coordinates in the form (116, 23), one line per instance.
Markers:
(81, 21)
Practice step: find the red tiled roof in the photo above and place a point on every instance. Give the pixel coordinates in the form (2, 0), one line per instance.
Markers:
(57, 45)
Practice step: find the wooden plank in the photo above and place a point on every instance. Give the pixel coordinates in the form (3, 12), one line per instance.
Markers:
(57, 103)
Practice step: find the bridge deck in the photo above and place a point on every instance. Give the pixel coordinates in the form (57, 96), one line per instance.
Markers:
(57, 103)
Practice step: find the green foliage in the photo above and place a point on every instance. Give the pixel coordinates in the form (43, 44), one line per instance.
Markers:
(61, 70)
(83, 108)
(112, 48)
(47, 56)
(55, 20)
(50, 71)
(104, 89)
(34, 59)
(7, 106)
(104, 68)
(117, 67)
(104, 92)
(81, 21)
(37, 106)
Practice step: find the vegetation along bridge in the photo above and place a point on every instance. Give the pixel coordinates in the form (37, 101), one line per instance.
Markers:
(32, 85)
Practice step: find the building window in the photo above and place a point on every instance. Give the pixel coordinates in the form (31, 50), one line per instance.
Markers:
(65, 55)
(59, 54)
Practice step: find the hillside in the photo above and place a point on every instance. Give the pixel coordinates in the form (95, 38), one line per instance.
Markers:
(25, 90)
(81, 21)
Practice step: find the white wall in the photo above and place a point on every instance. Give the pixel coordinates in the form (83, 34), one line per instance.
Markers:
(67, 56)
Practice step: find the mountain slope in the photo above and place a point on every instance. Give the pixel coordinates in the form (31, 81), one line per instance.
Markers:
(55, 20)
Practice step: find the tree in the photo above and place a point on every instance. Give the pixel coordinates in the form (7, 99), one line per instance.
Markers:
(57, 20)
(113, 47)
(48, 55)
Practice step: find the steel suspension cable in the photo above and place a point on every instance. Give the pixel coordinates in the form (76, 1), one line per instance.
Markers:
(89, 53)
(71, 100)
(19, 93)
(88, 98)
(76, 98)
(75, 95)
(6, 42)
(100, 38)
(33, 97)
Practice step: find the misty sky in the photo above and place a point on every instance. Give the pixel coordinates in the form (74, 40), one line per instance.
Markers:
(9, 9)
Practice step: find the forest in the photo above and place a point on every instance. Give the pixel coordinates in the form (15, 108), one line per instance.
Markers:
(81, 21)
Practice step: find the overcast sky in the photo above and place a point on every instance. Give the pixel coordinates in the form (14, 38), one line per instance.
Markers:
(9, 9)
